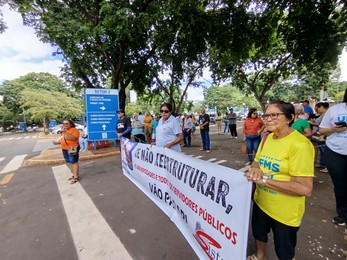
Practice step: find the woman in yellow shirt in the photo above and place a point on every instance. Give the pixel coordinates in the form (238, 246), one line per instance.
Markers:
(283, 171)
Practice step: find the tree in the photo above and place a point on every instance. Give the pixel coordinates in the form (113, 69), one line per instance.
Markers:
(3, 25)
(33, 89)
(226, 96)
(109, 39)
(11, 89)
(272, 39)
(7, 117)
(47, 104)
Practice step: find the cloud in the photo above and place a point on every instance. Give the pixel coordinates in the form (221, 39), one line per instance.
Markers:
(21, 52)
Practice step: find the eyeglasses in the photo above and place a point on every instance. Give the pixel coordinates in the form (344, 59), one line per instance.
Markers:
(65, 123)
(164, 111)
(271, 115)
(255, 113)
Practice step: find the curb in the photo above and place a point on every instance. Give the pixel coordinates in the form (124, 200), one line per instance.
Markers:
(62, 161)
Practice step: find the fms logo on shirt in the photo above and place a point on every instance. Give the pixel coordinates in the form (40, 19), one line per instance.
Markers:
(271, 166)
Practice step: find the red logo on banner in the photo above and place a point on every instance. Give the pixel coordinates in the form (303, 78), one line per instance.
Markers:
(208, 244)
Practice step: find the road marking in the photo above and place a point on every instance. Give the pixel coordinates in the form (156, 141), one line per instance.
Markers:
(11, 138)
(43, 145)
(19, 138)
(27, 137)
(6, 179)
(199, 156)
(212, 159)
(221, 161)
(93, 237)
(2, 158)
(14, 164)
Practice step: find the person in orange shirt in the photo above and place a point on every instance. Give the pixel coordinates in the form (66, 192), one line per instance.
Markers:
(148, 129)
(69, 138)
(253, 126)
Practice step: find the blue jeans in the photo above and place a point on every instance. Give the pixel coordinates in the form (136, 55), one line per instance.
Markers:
(226, 126)
(337, 165)
(205, 137)
(84, 144)
(321, 148)
(71, 158)
(187, 138)
(252, 142)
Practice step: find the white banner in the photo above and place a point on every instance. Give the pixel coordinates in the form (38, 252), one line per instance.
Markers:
(209, 203)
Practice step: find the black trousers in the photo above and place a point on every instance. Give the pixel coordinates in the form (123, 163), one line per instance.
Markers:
(233, 131)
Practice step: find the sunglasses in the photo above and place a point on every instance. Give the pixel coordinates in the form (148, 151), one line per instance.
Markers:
(164, 111)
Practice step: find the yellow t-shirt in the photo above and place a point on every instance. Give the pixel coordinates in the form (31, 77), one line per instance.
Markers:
(290, 156)
(148, 120)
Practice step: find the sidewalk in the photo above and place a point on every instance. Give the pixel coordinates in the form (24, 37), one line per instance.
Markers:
(55, 156)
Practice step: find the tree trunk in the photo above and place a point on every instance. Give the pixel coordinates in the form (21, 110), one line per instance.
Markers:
(122, 97)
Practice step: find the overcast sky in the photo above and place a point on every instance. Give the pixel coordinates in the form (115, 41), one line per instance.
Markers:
(21, 52)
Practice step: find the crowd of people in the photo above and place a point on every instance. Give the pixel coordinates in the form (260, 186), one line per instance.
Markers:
(283, 169)
(281, 157)
(281, 154)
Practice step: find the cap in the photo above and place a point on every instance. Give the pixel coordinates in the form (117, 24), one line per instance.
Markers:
(121, 111)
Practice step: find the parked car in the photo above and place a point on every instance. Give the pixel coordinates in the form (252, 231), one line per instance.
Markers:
(212, 118)
(56, 130)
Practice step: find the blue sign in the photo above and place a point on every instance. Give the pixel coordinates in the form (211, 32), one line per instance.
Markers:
(52, 123)
(101, 111)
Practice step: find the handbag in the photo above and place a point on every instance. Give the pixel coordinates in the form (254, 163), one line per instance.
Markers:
(73, 150)
(244, 148)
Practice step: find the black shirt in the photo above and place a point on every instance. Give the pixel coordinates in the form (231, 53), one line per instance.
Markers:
(122, 125)
(202, 120)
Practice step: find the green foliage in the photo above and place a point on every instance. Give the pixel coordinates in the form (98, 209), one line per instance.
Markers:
(45, 105)
(339, 96)
(122, 40)
(37, 97)
(255, 44)
(11, 89)
(263, 42)
(227, 96)
(7, 117)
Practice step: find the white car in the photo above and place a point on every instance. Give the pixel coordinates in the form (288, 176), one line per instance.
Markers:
(56, 130)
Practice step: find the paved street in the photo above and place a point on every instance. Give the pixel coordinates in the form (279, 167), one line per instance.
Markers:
(44, 217)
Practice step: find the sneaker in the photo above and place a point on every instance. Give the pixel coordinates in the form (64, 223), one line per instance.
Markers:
(208, 151)
(325, 170)
(338, 220)
(235, 137)
(202, 149)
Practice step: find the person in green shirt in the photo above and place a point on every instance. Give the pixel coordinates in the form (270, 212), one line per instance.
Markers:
(301, 125)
